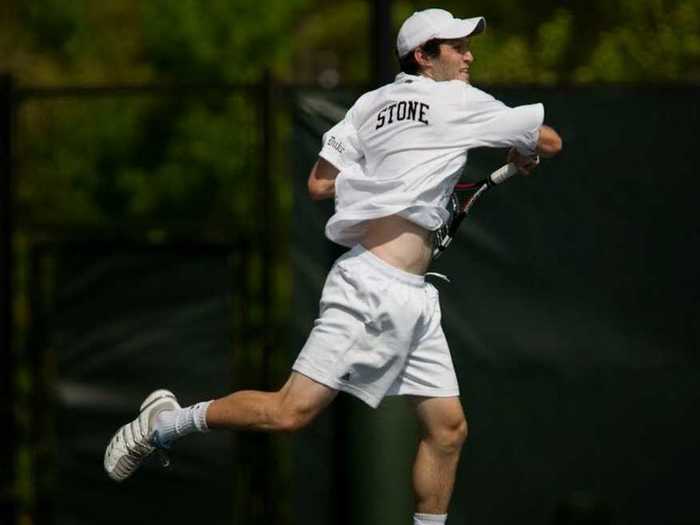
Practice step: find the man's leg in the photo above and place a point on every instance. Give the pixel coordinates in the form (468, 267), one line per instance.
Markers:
(444, 430)
(294, 406)
(161, 420)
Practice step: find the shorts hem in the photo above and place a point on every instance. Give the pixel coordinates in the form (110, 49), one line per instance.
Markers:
(426, 392)
(317, 375)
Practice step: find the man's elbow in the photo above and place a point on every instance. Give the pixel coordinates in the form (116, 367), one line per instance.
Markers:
(552, 147)
(316, 190)
(313, 192)
(317, 196)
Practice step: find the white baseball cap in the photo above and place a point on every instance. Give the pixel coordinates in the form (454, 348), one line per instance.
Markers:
(425, 25)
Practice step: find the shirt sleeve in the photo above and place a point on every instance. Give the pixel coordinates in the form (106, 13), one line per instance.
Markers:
(493, 124)
(341, 145)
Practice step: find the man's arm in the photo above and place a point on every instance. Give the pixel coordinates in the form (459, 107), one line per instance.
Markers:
(322, 180)
(549, 143)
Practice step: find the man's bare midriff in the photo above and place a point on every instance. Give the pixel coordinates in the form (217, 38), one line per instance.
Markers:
(400, 243)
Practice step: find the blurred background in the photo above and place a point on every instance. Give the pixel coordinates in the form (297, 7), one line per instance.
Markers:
(155, 231)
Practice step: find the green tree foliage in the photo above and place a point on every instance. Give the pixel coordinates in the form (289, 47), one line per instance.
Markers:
(224, 40)
(186, 164)
(547, 42)
(140, 166)
(652, 41)
(332, 37)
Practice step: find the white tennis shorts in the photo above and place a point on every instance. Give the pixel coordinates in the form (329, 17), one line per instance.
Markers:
(378, 333)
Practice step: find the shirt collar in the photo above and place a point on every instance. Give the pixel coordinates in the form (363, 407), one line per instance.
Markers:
(405, 77)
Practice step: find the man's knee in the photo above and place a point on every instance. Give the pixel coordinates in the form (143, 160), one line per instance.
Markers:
(449, 436)
(299, 402)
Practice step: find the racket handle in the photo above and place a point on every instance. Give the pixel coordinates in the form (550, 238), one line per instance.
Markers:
(503, 173)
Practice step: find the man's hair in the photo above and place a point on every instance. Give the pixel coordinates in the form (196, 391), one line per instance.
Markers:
(408, 63)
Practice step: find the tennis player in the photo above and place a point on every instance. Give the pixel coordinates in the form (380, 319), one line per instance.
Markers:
(391, 165)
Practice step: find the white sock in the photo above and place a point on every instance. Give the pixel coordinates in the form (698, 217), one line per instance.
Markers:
(429, 519)
(174, 424)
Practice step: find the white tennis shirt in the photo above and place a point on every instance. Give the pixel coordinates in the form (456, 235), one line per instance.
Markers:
(401, 148)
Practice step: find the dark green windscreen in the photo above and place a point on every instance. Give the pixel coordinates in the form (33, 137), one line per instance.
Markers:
(122, 323)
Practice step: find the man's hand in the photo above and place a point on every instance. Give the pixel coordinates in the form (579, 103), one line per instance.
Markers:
(524, 163)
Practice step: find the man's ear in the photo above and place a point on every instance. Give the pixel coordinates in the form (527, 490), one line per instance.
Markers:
(422, 58)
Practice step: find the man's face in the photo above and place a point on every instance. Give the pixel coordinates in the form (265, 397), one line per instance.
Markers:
(454, 61)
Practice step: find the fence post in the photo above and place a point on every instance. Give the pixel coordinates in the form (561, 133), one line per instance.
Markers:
(266, 195)
(8, 501)
(269, 207)
(381, 38)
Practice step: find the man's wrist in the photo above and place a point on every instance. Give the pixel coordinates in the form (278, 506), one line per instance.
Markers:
(527, 152)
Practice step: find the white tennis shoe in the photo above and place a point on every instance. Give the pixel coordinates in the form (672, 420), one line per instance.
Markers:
(133, 442)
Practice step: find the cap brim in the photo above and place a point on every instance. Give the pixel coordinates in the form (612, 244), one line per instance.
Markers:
(463, 27)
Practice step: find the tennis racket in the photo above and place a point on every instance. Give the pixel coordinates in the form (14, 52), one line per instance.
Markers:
(462, 201)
